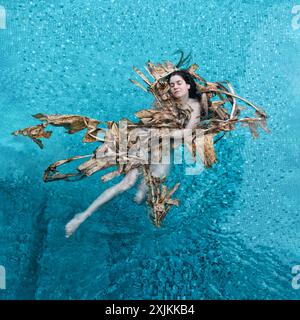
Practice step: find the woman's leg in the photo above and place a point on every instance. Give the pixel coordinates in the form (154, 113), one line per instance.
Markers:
(128, 181)
(141, 192)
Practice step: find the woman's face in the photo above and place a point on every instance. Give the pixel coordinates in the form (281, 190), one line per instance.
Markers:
(179, 87)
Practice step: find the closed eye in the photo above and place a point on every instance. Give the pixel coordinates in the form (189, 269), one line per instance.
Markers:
(178, 82)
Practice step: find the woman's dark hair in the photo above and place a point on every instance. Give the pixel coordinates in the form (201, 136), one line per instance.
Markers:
(193, 93)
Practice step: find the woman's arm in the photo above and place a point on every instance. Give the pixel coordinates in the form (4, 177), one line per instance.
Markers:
(192, 123)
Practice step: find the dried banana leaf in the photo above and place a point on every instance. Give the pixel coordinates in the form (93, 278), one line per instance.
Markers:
(34, 133)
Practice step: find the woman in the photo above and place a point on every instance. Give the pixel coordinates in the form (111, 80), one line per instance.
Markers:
(183, 90)
(179, 107)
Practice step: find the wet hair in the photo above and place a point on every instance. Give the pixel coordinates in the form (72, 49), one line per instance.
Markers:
(193, 93)
(183, 61)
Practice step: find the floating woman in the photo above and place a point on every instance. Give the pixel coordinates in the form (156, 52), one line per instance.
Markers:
(183, 103)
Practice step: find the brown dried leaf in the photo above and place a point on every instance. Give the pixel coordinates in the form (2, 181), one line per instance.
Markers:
(73, 124)
(253, 129)
(173, 202)
(138, 85)
(51, 173)
(142, 75)
(263, 125)
(34, 133)
(110, 175)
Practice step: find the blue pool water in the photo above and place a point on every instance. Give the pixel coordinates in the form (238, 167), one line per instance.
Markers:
(236, 232)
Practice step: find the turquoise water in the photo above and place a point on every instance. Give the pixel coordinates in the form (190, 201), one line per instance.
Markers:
(236, 232)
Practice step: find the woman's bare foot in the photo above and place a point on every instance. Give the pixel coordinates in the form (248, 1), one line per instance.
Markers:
(73, 224)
